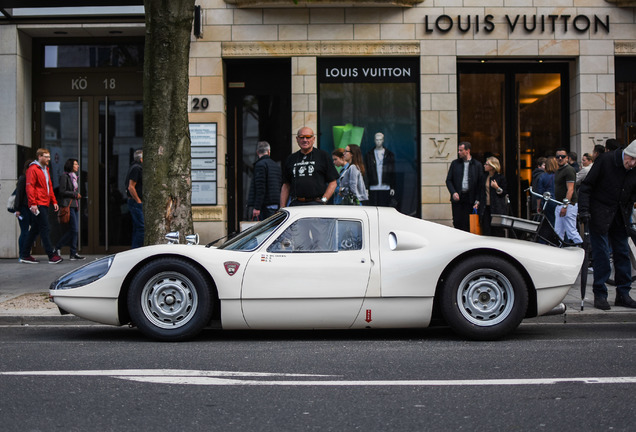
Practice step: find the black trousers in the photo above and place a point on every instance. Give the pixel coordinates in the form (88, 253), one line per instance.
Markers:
(461, 212)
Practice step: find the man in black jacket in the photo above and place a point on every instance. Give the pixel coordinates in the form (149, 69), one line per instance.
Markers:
(266, 182)
(606, 200)
(463, 182)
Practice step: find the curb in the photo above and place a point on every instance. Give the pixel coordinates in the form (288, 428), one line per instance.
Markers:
(582, 318)
(26, 320)
(567, 318)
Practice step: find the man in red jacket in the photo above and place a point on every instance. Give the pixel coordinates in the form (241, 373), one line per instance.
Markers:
(39, 190)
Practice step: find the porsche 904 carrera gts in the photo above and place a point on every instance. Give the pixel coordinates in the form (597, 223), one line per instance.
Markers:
(325, 267)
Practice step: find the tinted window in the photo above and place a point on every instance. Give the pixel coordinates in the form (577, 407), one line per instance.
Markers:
(94, 56)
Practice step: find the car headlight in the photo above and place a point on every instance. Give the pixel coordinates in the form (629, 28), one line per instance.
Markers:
(84, 275)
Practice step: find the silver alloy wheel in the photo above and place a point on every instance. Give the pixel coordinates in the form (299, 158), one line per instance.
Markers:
(169, 300)
(485, 297)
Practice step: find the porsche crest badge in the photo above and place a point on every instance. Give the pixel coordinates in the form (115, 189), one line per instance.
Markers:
(231, 267)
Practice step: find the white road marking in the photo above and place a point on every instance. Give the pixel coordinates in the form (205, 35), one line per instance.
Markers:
(217, 378)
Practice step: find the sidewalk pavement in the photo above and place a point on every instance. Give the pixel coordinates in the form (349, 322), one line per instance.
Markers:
(24, 296)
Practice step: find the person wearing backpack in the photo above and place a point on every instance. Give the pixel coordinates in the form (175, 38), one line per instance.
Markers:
(24, 217)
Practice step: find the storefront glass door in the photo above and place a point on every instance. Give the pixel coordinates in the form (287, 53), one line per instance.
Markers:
(103, 135)
(259, 109)
(64, 132)
(517, 113)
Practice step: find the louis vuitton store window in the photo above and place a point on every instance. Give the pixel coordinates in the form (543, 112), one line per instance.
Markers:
(374, 103)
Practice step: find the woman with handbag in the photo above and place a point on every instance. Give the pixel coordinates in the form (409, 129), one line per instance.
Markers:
(352, 188)
(493, 194)
(338, 160)
(68, 214)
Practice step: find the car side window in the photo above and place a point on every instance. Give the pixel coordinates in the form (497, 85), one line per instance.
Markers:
(319, 235)
(349, 235)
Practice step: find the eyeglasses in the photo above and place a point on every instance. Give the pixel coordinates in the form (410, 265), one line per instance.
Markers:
(305, 136)
(347, 151)
(561, 156)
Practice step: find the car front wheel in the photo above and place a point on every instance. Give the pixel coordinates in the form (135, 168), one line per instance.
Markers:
(484, 298)
(170, 300)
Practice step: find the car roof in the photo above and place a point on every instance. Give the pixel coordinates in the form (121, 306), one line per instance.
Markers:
(340, 211)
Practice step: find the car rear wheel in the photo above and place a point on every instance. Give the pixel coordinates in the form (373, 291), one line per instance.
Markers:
(170, 300)
(484, 298)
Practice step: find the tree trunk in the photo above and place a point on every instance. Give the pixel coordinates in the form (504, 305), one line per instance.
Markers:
(166, 174)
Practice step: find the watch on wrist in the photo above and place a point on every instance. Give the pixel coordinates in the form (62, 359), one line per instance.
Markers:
(323, 200)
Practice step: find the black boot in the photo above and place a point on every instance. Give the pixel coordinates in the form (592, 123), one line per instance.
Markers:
(625, 301)
(601, 303)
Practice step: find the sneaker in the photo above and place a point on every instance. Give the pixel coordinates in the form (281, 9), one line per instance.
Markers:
(55, 259)
(76, 257)
(29, 260)
(601, 303)
(625, 301)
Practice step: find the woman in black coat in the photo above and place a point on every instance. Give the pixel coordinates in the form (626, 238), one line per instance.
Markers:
(69, 197)
(493, 197)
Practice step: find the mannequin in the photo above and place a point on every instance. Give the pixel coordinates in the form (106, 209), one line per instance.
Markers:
(380, 164)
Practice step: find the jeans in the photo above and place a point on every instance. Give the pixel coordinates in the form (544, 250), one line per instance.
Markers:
(71, 234)
(614, 242)
(40, 225)
(137, 214)
(567, 224)
(25, 223)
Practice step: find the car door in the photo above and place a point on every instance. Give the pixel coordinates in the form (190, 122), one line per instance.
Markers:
(313, 275)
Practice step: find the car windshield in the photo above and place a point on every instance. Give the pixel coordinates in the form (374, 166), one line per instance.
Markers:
(254, 236)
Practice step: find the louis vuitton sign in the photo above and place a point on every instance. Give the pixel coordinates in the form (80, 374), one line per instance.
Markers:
(522, 23)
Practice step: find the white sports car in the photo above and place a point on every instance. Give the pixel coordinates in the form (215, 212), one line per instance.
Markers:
(325, 267)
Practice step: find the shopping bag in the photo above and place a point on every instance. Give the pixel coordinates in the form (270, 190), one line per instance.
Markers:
(475, 228)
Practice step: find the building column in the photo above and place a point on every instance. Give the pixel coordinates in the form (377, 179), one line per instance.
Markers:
(304, 95)
(15, 123)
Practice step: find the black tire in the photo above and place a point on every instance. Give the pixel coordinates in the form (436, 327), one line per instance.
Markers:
(484, 298)
(170, 300)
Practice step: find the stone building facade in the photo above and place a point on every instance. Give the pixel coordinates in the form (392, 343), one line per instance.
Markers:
(582, 44)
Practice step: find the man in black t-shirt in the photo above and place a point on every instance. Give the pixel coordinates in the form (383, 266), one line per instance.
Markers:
(309, 176)
(134, 190)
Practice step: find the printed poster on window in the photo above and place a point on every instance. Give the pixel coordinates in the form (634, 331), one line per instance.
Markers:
(203, 163)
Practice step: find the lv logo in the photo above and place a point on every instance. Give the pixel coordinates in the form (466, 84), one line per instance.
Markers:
(440, 146)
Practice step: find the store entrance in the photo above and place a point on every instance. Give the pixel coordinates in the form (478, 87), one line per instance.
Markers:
(516, 112)
(258, 109)
(102, 133)
(88, 105)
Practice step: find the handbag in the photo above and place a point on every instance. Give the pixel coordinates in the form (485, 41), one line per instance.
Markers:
(11, 203)
(475, 227)
(64, 214)
(350, 198)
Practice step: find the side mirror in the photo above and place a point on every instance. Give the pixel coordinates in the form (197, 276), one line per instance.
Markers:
(192, 239)
(172, 237)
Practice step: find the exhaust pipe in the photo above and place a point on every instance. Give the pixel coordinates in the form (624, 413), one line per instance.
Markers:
(558, 310)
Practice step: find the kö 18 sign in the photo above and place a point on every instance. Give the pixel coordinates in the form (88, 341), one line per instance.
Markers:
(527, 23)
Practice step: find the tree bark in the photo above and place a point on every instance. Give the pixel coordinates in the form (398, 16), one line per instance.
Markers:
(166, 167)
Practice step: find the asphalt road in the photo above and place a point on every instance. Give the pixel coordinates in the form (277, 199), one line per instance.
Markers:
(574, 377)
